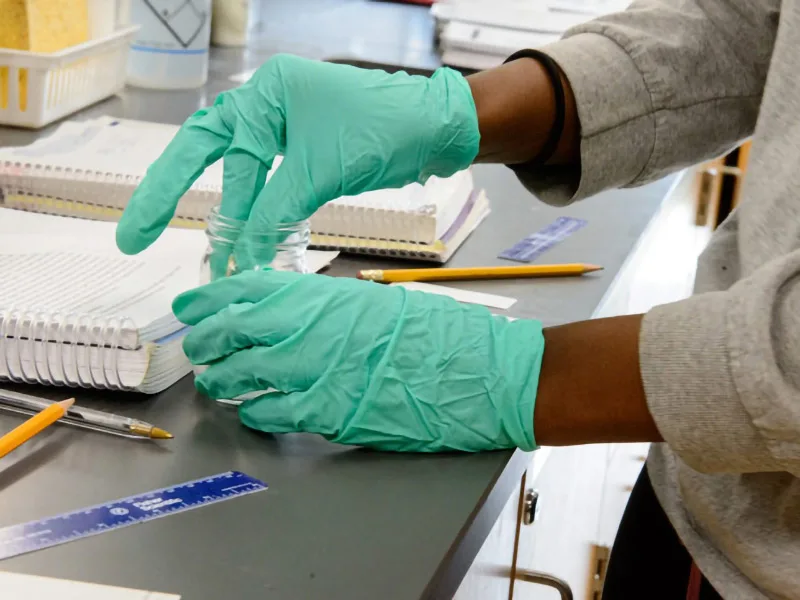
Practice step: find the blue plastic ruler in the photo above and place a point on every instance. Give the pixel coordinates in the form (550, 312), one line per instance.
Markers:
(60, 529)
(540, 242)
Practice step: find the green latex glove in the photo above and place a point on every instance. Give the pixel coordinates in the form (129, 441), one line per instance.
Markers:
(363, 363)
(341, 130)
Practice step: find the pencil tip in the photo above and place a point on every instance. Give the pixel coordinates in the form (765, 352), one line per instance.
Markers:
(160, 434)
(593, 268)
(66, 404)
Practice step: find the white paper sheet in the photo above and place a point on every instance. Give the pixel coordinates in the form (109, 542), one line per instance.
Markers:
(467, 296)
(319, 259)
(62, 265)
(15, 586)
(103, 146)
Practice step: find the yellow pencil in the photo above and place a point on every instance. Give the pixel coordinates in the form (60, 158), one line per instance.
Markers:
(468, 273)
(38, 422)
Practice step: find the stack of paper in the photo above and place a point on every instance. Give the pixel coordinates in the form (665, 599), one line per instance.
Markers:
(75, 311)
(89, 169)
(480, 35)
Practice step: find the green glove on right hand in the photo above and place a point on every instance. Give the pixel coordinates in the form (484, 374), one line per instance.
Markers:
(342, 131)
(363, 363)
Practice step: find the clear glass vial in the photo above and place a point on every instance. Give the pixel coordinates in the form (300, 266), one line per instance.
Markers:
(231, 249)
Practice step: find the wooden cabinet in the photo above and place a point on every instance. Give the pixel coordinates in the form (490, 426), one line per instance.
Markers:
(559, 521)
(502, 567)
(625, 462)
(491, 574)
(559, 541)
(718, 186)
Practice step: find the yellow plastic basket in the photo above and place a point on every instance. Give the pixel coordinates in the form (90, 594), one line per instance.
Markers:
(37, 89)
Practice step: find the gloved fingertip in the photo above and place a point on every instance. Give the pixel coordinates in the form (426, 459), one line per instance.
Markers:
(182, 308)
(202, 386)
(246, 410)
(135, 234)
(128, 242)
(191, 351)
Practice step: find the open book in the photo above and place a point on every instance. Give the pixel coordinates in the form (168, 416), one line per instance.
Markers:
(89, 169)
(75, 311)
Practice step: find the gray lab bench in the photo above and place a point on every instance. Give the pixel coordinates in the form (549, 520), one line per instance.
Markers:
(336, 523)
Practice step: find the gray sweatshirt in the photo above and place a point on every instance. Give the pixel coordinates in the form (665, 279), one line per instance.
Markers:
(658, 87)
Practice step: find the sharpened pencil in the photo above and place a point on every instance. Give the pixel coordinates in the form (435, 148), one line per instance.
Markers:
(37, 423)
(474, 273)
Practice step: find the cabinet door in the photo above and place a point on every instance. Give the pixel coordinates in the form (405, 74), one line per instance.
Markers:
(624, 464)
(490, 576)
(560, 539)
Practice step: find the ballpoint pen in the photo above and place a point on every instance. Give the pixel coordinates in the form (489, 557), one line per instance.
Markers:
(84, 417)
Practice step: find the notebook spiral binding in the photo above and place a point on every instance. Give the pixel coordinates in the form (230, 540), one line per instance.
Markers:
(91, 194)
(102, 195)
(60, 349)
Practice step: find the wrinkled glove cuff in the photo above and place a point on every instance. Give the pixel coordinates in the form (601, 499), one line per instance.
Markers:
(456, 122)
(516, 406)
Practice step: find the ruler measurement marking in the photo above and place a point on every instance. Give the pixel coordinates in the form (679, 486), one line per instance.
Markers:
(118, 514)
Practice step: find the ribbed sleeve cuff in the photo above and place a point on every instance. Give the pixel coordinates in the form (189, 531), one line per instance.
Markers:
(685, 367)
(617, 121)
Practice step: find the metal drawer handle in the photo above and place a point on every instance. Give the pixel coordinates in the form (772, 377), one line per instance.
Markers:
(545, 579)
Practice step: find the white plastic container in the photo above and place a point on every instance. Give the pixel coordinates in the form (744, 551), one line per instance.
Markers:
(102, 18)
(37, 89)
(229, 22)
(171, 49)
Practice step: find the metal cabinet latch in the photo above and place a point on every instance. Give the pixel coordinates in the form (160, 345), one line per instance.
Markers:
(529, 506)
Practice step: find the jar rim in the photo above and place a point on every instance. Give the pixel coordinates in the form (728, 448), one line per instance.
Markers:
(217, 219)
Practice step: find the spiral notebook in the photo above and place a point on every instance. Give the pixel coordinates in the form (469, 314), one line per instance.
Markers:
(75, 311)
(90, 168)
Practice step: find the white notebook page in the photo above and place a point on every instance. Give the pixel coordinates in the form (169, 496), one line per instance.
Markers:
(15, 586)
(66, 265)
(63, 265)
(105, 145)
(48, 274)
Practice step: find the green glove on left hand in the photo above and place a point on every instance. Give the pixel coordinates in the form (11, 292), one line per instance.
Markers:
(341, 130)
(366, 364)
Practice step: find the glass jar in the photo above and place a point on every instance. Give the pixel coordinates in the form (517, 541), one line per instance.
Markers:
(231, 250)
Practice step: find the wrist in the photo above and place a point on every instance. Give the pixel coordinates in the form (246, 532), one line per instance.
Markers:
(590, 389)
(516, 108)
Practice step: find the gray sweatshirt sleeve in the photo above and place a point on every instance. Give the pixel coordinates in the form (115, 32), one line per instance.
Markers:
(659, 86)
(662, 85)
(721, 372)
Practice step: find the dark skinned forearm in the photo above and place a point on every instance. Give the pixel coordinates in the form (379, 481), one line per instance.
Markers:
(590, 387)
(516, 109)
